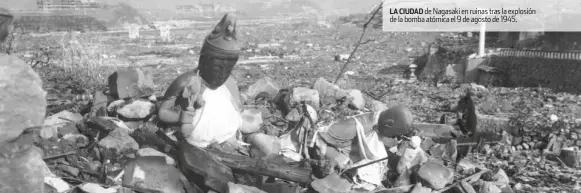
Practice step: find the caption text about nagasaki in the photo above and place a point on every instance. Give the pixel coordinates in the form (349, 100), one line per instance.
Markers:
(457, 15)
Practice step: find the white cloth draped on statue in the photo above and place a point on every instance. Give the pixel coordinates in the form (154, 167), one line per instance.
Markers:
(369, 149)
(217, 121)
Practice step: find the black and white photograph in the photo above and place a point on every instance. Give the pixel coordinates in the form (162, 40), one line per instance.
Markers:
(290, 96)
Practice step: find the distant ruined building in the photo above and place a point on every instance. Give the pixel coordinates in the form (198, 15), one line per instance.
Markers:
(56, 5)
(205, 8)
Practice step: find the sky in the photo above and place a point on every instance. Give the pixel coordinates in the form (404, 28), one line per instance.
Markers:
(350, 6)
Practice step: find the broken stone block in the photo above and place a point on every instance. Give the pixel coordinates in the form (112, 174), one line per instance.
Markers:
(501, 177)
(263, 85)
(506, 189)
(119, 141)
(53, 181)
(239, 188)
(327, 89)
(22, 100)
(446, 151)
(56, 121)
(435, 175)
(465, 166)
(48, 133)
(357, 99)
(262, 145)
(153, 152)
(56, 183)
(131, 83)
(96, 188)
(418, 188)
(310, 96)
(411, 158)
(152, 173)
(21, 169)
(70, 128)
(427, 143)
(333, 183)
(489, 187)
(137, 109)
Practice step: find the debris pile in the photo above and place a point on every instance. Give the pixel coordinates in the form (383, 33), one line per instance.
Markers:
(117, 147)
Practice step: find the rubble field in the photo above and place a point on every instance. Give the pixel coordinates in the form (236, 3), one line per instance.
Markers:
(539, 124)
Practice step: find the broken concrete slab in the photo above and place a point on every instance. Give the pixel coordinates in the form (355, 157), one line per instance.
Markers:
(328, 89)
(410, 159)
(70, 128)
(239, 188)
(333, 183)
(22, 98)
(418, 188)
(501, 177)
(262, 145)
(465, 166)
(153, 173)
(53, 181)
(266, 85)
(435, 175)
(143, 152)
(489, 187)
(136, 109)
(311, 96)
(131, 83)
(21, 170)
(96, 188)
(445, 151)
(119, 141)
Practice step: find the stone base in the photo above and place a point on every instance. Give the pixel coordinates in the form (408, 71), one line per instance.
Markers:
(22, 172)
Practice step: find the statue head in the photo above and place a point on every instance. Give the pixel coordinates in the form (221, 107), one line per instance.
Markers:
(220, 53)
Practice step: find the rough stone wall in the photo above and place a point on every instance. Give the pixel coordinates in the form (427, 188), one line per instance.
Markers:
(560, 71)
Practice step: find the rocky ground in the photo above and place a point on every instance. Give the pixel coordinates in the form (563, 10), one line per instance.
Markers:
(305, 52)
